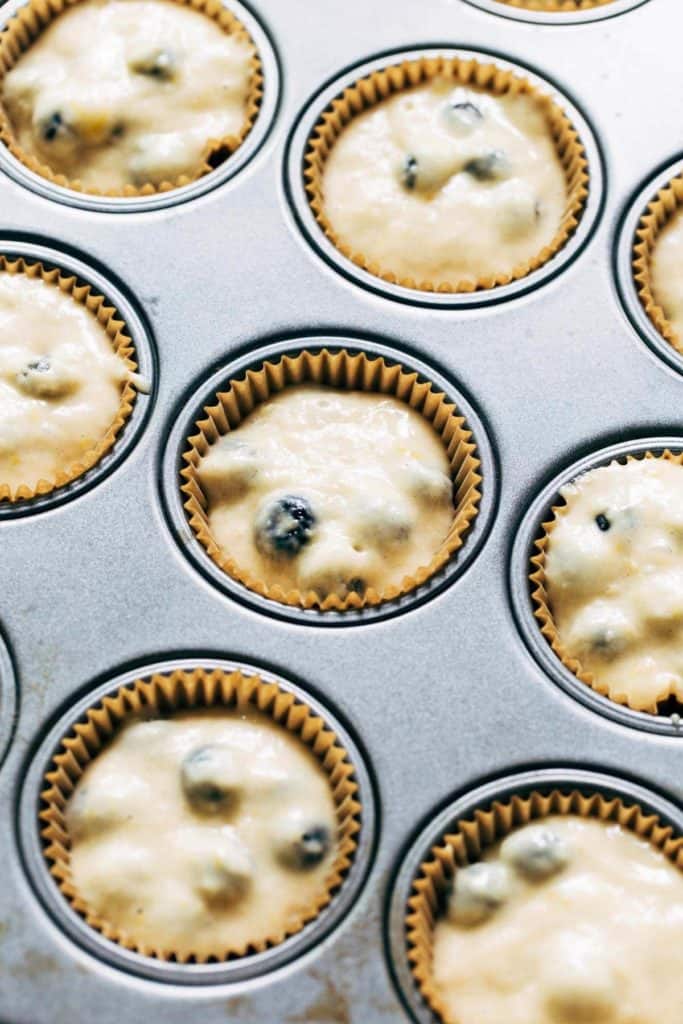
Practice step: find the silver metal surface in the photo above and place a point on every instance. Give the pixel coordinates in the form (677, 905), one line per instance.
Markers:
(8, 698)
(544, 780)
(441, 696)
(610, 10)
(305, 217)
(202, 394)
(524, 548)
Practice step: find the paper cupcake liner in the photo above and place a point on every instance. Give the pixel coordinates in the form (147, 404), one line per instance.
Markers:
(541, 602)
(115, 327)
(659, 213)
(380, 85)
(30, 20)
(558, 6)
(344, 370)
(183, 691)
(472, 836)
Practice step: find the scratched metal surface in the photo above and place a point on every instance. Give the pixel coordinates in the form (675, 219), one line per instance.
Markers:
(441, 697)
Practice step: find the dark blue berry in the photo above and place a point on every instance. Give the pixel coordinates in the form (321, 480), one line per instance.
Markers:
(465, 112)
(53, 126)
(602, 522)
(490, 167)
(409, 172)
(285, 526)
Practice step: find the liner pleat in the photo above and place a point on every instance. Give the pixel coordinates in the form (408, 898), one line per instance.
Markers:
(541, 601)
(184, 691)
(341, 369)
(28, 23)
(380, 85)
(110, 319)
(660, 211)
(473, 835)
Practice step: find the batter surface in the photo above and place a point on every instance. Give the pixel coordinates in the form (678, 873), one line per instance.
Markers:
(667, 272)
(329, 490)
(202, 832)
(580, 923)
(614, 577)
(127, 92)
(60, 380)
(446, 185)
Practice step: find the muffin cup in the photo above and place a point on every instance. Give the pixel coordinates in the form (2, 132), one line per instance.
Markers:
(541, 603)
(182, 691)
(557, 6)
(344, 370)
(108, 317)
(471, 836)
(660, 211)
(28, 23)
(379, 85)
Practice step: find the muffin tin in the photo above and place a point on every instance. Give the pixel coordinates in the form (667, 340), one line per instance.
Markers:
(442, 696)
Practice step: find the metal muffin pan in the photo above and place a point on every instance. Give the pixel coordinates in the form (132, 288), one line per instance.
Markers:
(609, 10)
(440, 697)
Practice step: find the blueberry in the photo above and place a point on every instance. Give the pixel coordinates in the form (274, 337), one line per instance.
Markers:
(409, 172)
(40, 378)
(535, 851)
(53, 127)
(301, 843)
(478, 891)
(603, 522)
(160, 65)
(464, 113)
(490, 167)
(211, 779)
(284, 526)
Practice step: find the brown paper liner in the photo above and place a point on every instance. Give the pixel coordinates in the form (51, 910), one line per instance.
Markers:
(379, 86)
(115, 327)
(660, 211)
(541, 603)
(557, 6)
(473, 835)
(31, 19)
(349, 371)
(183, 691)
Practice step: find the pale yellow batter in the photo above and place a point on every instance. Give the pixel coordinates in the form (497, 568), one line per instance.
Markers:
(128, 92)
(580, 923)
(329, 490)
(614, 576)
(446, 185)
(202, 833)
(60, 380)
(667, 272)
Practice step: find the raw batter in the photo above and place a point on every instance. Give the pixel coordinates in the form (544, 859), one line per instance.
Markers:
(667, 272)
(614, 577)
(126, 92)
(578, 922)
(203, 832)
(329, 490)
(446, 185)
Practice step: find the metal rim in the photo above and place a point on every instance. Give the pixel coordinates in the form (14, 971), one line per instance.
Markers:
(305, 218)
(559, 17)
(183, 425)
(626, 284)
(522, 551)
(147, 366)
(543, 780)
(228, 169)
(229, 972)
(8, 698)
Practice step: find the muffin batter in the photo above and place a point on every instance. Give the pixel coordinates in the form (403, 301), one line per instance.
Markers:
(667, 272)
(614, 577)
(128, 92)
(579, 922)
(329, 490)
(446, 185)
(202, 833)
(60, 380)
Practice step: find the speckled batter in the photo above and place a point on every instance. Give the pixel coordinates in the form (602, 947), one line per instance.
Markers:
(60, 380)
(614, 576)
(203, 832)
(595, 937)
(667, 272)
(329, 490)
(446, 185)
(128, 92)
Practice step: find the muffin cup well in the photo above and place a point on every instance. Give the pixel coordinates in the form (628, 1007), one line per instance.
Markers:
(541, 603)
(345, 370)
(181, 690)
(28, 23)
(557, 6)
(660, 210)
(379, 85)
(109, 318)
(465, 843)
